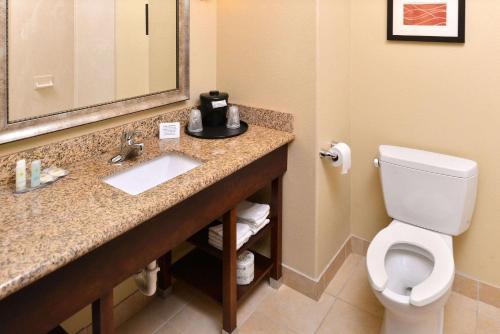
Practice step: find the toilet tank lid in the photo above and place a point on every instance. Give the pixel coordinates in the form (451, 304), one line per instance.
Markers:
(428, 161)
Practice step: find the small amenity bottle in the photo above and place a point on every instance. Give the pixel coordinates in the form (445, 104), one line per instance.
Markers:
(35, 173)
(21, 175)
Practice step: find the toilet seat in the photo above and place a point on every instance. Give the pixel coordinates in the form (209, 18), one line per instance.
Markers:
(434, 286)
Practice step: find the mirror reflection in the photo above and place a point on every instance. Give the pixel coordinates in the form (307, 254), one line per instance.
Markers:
(69, 54)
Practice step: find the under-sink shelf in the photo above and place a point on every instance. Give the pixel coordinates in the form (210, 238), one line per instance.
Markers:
(200, 240)
(204, 272)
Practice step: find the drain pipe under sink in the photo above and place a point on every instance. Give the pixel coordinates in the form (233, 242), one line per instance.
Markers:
(146, 279)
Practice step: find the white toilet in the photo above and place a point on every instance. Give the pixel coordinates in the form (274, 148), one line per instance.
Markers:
(431, 198)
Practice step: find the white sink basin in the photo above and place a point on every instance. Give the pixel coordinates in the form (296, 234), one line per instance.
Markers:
(150, 174)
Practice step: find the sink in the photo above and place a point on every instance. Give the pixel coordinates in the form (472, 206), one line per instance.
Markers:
(147, 175)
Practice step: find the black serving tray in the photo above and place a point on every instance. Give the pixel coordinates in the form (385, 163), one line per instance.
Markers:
(219, 132)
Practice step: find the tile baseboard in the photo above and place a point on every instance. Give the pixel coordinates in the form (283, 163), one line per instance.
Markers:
(477, 290)
(314, 288)
(359, 245)
(489, 294)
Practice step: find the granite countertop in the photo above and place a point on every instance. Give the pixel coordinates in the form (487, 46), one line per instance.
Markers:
(43, 230)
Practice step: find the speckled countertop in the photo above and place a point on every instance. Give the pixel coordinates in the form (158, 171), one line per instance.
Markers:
(44, 230)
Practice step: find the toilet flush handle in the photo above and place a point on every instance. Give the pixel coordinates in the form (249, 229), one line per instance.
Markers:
(376, 163)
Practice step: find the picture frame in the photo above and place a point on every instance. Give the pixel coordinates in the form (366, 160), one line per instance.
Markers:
(426, 20)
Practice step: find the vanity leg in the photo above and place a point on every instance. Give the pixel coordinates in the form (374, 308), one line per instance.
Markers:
(229, 289)
(276, 216)
(102, 314)
(164, 276)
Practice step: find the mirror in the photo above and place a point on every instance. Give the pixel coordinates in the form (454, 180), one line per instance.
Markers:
(72, 62)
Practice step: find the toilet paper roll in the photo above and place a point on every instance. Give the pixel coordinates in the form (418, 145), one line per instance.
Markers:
(343, 151)
(245, 268)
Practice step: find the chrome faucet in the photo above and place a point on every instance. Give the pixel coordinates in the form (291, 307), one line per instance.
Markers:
(129, 148)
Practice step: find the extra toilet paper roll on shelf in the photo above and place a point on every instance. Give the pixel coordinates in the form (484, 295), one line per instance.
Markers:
(245, 268)
(343, 152)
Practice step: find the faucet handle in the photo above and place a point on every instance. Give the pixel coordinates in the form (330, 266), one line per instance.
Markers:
(140, 147)
(130, 134)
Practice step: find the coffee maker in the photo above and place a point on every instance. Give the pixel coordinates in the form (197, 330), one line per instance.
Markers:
(214, 108)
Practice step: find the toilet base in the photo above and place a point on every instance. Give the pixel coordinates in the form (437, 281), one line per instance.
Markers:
(396, 324)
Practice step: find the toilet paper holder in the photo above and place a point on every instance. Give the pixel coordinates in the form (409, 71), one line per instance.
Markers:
(326, 154)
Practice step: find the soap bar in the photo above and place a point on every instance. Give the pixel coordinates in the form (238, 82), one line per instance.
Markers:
(56, 171)
(46, 178)
(52, 173)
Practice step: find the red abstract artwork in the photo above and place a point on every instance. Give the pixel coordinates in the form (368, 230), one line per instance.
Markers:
(425, 14)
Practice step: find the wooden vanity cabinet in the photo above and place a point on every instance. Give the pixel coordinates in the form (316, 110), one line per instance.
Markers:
(90, 279)
(213, 272)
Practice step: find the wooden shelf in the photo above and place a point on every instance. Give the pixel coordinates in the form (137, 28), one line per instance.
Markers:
(204, 272)
(200, 240)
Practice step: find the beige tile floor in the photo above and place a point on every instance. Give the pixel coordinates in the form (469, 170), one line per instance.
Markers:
(347, 306)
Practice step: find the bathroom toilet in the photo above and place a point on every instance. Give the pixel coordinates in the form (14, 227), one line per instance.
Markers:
(410, 264)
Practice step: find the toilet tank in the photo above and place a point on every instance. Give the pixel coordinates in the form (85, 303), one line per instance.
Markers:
(429, 190)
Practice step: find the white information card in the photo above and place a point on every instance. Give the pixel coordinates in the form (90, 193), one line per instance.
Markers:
(170, 130)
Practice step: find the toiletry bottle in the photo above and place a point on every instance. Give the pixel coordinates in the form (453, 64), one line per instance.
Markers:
(35, 173)
(21, 175)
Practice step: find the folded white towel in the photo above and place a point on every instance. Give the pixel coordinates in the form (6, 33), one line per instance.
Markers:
(252, 212)
(241, 229)
(216, 235)
(219, 245)
(256, 221)
(241, 237)
(255, 224)
(255, 229)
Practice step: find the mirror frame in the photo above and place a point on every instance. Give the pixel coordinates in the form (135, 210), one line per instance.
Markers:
(10, 132)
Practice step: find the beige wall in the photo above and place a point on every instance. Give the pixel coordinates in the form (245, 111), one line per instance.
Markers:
(435, 97)
(332, 123)
(266, 57)
(294, 56)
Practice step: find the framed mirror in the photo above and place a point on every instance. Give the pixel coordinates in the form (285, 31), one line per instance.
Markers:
(65, 63)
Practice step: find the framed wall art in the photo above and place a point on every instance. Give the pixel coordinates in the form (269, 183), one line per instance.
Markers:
(426, 20)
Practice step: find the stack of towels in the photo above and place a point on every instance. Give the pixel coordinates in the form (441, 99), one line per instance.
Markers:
(253, 214)
(252, 217)
(215, 235)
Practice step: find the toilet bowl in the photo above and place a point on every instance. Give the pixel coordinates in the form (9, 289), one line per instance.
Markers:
(411, 272)
(430, 197)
